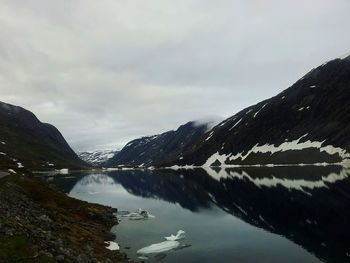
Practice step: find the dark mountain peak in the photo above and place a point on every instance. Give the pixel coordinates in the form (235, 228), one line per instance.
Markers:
(149, 150)
(307, 123)
(30, 143)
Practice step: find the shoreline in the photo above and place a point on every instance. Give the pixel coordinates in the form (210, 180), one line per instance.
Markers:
(40, 224)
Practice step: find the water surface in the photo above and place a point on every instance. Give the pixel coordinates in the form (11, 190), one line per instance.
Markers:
(285, 214)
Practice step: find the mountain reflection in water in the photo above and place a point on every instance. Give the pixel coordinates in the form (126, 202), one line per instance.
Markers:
(308, 205)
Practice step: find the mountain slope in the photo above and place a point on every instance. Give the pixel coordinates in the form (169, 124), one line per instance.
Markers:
(25, 141)
(97, 158)
(307, 123)
(147, 151)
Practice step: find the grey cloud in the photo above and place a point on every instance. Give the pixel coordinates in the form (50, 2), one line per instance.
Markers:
(105, 72)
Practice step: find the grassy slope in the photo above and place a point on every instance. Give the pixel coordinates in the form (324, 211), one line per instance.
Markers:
(82, 223)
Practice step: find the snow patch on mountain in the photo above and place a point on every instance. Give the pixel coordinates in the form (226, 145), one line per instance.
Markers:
(97, 157)
(294, 145)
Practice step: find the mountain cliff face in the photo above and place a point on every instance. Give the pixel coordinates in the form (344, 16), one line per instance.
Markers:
(306, 124)
(27, 143)
(97, 158)
(147, 151)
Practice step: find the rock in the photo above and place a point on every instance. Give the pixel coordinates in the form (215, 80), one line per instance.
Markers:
(82, 258)
(60, 258)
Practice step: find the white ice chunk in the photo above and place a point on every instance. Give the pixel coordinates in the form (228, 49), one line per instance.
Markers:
(12, 171)
(1, 153)
(159, 247)
(138, 215)
(19, 165)
(64, 171)
(112, 245)
(180, 235)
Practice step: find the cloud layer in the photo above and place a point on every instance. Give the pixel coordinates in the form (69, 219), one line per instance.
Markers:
(105, 72)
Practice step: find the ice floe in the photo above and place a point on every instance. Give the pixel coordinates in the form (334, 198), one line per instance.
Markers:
(171, 243)
(19, 165)
(64, 171)
(180, 235)
(140, 214)
(112, 245)
(159, 247)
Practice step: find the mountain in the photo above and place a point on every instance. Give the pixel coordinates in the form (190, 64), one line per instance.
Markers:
(27, 143)
(147, 151)
(307, 123)
(97, 158)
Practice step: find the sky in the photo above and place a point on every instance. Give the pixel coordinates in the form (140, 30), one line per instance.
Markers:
(106, 72)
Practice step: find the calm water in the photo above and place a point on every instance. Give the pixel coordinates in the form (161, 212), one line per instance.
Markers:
(290, 214)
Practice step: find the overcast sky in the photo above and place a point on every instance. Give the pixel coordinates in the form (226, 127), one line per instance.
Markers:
(105, 72)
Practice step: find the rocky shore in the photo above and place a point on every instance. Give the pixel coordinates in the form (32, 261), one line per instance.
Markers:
(39, 224)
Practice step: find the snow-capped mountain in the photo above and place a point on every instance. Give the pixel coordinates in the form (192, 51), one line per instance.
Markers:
(96, 158)
(308, 123)
(147, 151)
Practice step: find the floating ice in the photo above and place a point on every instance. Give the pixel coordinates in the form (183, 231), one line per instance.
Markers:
(112, 245)
(170, 244)
(159, 247)
(19, 165)
(140, 214)
(12, 171)
(1, 153)
(64, 171)
(180, 235)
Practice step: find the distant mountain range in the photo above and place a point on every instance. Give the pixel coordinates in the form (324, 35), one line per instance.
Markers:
(308, 123)
(148, 151)
(27, 143)
(97, 157)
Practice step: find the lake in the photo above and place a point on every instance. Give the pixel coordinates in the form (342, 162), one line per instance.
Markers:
(265, 214)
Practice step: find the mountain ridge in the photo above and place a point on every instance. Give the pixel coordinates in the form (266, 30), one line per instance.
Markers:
(148, 150)
(312, 116)
(26, 142)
